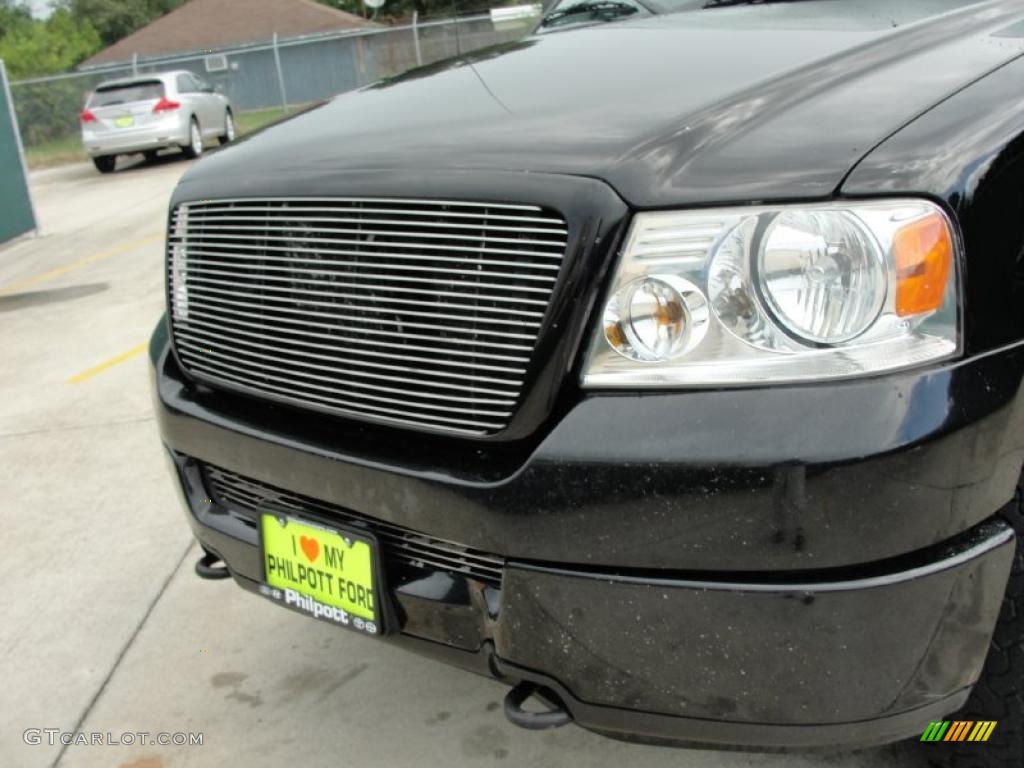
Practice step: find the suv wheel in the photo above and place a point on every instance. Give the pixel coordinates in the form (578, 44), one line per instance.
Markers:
(194, 148)
(229, 128)
(105, 163)
(999, 694)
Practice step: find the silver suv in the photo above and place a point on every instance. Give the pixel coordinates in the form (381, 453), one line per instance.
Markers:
(152, 112)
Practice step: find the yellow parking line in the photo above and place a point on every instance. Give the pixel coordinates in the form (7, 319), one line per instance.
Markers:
(85, 261)
(88, 373)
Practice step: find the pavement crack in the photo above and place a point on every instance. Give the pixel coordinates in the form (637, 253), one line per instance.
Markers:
(76, 427)
(124, 651)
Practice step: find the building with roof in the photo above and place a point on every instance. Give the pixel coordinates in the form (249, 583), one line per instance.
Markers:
(211, 26)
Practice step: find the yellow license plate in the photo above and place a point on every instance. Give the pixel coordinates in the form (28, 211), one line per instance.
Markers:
(326, 573)
(124, 122)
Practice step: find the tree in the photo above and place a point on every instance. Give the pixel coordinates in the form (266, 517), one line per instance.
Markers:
(32, 48)
(12, 15)
(115, 19)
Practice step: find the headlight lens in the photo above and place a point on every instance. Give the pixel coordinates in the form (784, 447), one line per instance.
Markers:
(747, 295)
(655, 318)
(823, 276)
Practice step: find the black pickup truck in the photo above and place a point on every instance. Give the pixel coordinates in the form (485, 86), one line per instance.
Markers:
(665, 364)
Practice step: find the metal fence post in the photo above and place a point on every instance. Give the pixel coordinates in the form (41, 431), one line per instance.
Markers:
(416, 37)
(280, 74)
(135, 65)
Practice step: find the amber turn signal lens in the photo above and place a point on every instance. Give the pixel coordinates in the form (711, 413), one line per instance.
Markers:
(923, 252)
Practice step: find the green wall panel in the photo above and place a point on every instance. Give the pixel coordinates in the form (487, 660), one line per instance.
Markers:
(16, 216)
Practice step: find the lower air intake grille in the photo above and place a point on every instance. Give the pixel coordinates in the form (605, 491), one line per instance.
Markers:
(399, 545)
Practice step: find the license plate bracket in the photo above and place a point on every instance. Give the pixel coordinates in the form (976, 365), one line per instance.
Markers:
(325, 571)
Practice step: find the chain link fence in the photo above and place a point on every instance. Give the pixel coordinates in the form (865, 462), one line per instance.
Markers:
(275, 73)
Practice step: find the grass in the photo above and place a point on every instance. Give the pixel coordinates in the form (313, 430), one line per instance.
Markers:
(69, 148)
(56, 152)
(247, 122)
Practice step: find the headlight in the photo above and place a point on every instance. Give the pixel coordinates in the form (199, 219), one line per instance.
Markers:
(655, 318)
(823, 276)
(791, 293)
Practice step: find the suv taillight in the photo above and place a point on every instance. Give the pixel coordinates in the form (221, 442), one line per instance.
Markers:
(86, 116)
(165, 105)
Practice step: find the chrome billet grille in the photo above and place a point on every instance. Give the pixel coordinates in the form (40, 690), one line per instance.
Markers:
(398, 544)
(418, 312)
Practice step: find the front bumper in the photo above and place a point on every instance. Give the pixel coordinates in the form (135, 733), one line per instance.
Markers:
(726, 576)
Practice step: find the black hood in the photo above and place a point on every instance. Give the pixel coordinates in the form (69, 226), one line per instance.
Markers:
(745, 103)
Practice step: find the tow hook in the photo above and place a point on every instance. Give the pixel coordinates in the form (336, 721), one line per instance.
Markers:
(207, 567)
(555, 717)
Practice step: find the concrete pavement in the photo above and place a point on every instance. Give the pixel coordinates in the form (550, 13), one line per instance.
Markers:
(105, 628)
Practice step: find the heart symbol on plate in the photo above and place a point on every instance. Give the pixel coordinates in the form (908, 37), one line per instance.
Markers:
(310, 548)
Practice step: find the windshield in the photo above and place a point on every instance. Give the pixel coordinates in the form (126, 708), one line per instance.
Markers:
(898, 9)
(123, 93)
(572, 12)
(564, 13)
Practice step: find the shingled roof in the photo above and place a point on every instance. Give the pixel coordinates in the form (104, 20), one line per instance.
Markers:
(201, 25)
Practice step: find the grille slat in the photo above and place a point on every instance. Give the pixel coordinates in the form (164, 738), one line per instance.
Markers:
(417, 312)
(324, 264)
(313, 394)
(447, 248)
(288, 311)
(283, 295)
(325, 281)
(231, 333)
(203, 225)
(198, 279)
(398, 544)
(203, 361)
(293, 255)
(219, 320)
(235, 349)
(416, 204)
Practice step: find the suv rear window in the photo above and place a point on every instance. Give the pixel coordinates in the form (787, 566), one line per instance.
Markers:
(122, 93)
